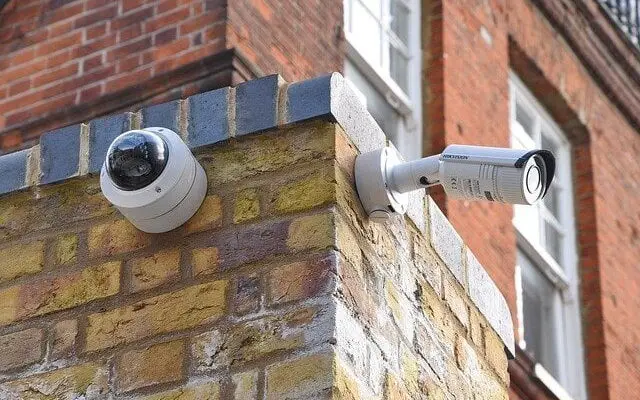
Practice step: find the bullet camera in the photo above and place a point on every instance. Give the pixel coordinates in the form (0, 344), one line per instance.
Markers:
(514, 176)
(152, 177)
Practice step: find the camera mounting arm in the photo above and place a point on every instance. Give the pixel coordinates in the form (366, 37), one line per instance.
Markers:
(515, 176)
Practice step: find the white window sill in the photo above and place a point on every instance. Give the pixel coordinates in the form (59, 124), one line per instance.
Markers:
(394, 95)
(548, 266)
(549, 381)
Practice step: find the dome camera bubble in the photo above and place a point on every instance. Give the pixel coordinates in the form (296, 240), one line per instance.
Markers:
(136, 159)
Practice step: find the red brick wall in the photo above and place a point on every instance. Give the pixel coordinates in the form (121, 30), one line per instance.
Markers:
(57, 54)
(468, 103)
(470, 75)
(297, 39)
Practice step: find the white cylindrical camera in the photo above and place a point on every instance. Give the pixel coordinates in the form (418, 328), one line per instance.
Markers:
(504, 175)
(153, 179)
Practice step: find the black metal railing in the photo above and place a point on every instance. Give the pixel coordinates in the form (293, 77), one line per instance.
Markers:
(626, 13)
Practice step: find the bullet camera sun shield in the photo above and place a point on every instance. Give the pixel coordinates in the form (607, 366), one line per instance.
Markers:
(153, 179)
(511, 176)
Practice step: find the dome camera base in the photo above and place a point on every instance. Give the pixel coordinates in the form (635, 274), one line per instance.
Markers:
(182, 212)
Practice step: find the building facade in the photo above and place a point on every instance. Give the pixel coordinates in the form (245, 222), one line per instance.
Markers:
(557, 74)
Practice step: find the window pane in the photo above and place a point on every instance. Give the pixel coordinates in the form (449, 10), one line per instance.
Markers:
(375, 6)
(553, 241)
(527, 219)
(552, 200)
(538, 296)
(548, 144)
(366, 33)
(400, 20)
(388, 119)
(399, 68)
(525, 119)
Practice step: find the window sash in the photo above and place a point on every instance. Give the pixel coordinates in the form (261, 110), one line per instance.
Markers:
(563, 273)
(388, 39)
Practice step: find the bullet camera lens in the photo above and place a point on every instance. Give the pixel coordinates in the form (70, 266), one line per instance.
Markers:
(136, 159)
(533, 179)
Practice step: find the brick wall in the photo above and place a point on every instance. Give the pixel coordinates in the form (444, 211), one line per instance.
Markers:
(58, 54)
(473, 45)
(278, 287)
(296, 39)
(89, 58)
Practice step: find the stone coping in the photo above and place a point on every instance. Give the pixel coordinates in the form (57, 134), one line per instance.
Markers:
(251, 107)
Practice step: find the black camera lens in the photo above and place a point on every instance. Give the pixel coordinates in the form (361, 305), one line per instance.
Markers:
(136, 159)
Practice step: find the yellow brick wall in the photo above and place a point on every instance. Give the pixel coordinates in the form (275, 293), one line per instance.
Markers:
(251, 299)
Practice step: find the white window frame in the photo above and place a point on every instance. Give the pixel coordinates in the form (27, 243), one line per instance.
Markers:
(407, 104)
(563, 273)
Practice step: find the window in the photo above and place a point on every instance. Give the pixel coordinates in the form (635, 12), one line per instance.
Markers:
(383, 63)
(546, 262)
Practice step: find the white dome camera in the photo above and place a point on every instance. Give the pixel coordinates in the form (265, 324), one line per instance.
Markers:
(152, 177)
(384, 179)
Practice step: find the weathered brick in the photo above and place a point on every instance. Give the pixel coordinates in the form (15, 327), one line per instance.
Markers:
(246, 206)
(258, 154)
(204, 260)
(115, 238)
(209, 215)
(257, 339)
(429, 345)
(456, 303)
(157, 364)
(65, 249)
(311, 232)
(63, 338)
(401, 309)
(149, 272)
(409, 370)
(352, 342)
(72, 201)
(495, 354)
(245, 385)
(306, 193)
(305, 377)
(300, 280)
(476, 328)
(21, 259)
(160, 314)
(59, 293)
(247, 295)
(20, 349)
(345, 386)
(394, 390)
(196, 391)
(81, 381)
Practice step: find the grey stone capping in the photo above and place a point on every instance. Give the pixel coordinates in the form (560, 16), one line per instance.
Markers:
(487, 297)
(13, 170)
(331, 97)
(101, 133)
(208, 118)
(256, 105)
(446, 242)
(60, 154)
(166, 115)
